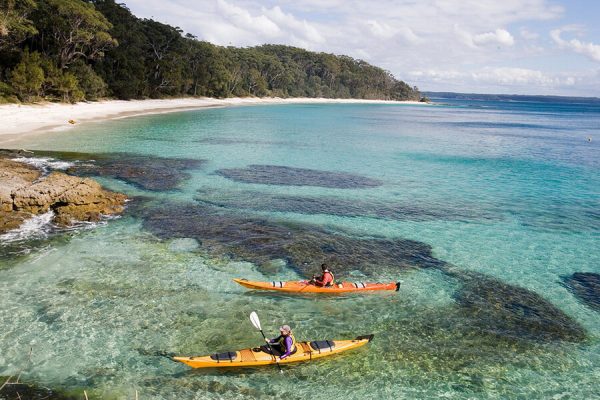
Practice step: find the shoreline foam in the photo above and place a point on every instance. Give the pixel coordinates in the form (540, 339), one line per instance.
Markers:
(19, 119)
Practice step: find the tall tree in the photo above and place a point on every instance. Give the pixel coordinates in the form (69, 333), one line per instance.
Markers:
(28, 77)
(92, 48)
(163, 50)
(123, 67)
(15, 25)
(75, 29)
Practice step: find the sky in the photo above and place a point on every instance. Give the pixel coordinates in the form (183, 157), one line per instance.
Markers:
(549, 47)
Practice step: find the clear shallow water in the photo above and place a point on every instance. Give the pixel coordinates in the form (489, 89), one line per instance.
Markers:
(507, 189)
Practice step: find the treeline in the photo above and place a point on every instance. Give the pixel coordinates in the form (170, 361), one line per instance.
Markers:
(72, 50)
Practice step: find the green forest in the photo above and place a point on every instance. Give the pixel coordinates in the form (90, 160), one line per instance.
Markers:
(74, 50)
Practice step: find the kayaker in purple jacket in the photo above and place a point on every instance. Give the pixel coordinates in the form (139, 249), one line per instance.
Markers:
(285, 343)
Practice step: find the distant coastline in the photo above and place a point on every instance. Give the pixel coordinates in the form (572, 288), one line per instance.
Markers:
(508, 97)
(18, 120)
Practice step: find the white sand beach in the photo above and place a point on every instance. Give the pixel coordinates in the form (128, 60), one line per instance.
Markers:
(19, 119)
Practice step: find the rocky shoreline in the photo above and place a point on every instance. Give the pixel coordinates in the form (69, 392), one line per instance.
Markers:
(25, 191)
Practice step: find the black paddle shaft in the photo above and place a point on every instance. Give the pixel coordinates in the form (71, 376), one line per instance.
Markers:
(272, 352)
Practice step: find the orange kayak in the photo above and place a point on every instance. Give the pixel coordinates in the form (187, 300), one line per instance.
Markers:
(259, 356)
(305, 287)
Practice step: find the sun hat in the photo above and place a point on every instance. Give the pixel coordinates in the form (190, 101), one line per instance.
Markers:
(285, 328)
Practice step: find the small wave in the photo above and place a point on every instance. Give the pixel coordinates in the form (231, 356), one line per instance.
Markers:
(41, 227)
(45, 163)
(35, 227)
(87, 225)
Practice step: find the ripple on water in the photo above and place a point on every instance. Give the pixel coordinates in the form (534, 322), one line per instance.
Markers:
(111, 291)
(45, 164)
(260, 201)
(282, 175)
(123, 301)
(490, 305)
(36, 227)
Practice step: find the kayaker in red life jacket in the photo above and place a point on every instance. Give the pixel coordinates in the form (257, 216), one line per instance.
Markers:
(285, 343)
(326, 278)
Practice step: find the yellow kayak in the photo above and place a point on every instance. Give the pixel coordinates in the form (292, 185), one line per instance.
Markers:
(305, 351)
(306, 287)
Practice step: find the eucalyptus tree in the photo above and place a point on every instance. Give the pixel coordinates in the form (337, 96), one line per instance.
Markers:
(73, 49)
(15, 25)
(72, 29)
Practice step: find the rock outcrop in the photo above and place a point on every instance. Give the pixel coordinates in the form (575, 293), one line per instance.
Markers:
(25, 192)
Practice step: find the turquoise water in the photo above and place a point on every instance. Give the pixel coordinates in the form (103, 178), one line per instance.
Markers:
(507, 189)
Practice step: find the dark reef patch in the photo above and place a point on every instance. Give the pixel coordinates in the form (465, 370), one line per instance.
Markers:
(586, 287)
(281, 175)
(45, 315)
(146, 172)
(303, 246)
(582, 216)
(22, 391)
(489, 306)
(500, 309)
(441, 344)
(258, 201)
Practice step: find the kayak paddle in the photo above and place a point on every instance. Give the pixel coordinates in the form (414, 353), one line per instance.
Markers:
(256, 322)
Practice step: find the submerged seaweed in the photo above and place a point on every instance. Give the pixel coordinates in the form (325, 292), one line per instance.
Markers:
(579, 216)
(504, 310)
(586, 287)
(281, 175)
(303, 246)
(22, 391)
(491, 306)
(259, 201)
(145, 171)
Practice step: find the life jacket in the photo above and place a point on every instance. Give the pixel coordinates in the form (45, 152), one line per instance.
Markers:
(281, 341)
(332, 278)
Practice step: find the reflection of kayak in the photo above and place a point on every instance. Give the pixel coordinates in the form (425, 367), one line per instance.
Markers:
(305, 287)
(305, 351)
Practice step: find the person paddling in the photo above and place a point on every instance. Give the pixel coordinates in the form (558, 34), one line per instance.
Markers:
(326, 279)
(284, 344)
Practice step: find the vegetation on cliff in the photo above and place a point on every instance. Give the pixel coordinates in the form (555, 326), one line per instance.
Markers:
(71, 50)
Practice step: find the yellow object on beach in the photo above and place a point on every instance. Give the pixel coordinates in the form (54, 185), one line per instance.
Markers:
(72, 121)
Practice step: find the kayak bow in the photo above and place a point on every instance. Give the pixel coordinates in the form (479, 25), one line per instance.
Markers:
(253, 357)
(305, 287)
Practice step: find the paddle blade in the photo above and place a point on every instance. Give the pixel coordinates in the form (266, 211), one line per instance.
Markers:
(255, 321)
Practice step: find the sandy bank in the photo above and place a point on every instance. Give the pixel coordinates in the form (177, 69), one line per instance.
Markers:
(21, 119)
